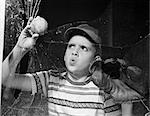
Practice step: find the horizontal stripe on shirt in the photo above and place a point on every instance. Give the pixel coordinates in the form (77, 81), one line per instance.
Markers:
(74, 92)
(73, 87)
(67, 103)
(75, 112)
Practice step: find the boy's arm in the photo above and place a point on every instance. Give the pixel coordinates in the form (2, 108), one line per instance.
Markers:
(25, 42)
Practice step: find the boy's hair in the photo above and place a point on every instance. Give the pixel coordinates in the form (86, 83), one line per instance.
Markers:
(87, 31)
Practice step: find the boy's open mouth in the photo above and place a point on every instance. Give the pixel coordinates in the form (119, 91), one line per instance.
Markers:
(73, 61)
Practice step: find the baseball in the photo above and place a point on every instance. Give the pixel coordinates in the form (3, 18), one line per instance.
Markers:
(39, 25)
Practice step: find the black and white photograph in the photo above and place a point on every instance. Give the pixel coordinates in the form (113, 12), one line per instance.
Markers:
(74, 58)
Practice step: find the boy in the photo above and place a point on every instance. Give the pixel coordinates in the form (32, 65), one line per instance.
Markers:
(77, 92)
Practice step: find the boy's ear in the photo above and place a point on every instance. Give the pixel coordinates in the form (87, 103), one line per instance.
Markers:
(96, 64)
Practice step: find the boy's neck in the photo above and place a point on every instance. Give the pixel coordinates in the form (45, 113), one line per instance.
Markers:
(78, 78)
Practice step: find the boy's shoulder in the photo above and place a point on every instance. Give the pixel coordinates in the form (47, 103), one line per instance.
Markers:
(56, 73)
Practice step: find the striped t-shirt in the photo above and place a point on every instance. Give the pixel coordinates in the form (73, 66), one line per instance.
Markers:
(66, 98)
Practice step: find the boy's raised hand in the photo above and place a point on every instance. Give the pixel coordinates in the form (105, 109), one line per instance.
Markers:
(27, 38)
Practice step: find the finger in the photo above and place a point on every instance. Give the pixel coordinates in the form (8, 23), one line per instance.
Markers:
(35, 36)
(27, 29)
(30, 20)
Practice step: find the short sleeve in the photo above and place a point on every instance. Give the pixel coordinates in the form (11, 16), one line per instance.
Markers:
(34, 88)
(39, 81)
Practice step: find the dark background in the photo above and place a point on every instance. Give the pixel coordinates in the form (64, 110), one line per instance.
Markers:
(127, 20)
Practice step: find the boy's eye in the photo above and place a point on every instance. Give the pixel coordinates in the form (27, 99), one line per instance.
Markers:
(71, 45)
(84, 48)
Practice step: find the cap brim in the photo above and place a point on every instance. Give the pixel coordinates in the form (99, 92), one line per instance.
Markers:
(77, 31)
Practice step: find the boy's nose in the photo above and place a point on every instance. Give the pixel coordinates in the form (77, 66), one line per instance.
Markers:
(75, 52)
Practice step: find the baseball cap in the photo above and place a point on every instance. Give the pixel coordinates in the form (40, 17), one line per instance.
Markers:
(84, 30)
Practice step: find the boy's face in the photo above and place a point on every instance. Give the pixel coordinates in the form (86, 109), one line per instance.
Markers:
(79, 54)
